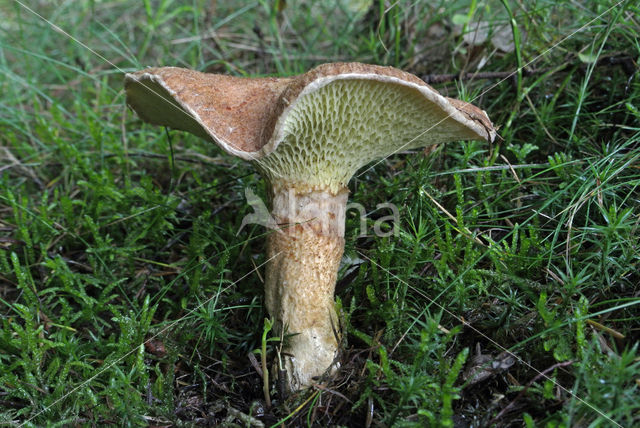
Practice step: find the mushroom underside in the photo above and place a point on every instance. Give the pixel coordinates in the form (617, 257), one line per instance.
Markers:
(331, 132)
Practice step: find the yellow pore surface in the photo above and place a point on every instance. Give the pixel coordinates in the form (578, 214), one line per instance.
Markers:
(330, 133)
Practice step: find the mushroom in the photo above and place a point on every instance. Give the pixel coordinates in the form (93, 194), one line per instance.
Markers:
(307, 135)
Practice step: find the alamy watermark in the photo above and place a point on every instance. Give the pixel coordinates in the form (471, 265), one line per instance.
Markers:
(383, 226)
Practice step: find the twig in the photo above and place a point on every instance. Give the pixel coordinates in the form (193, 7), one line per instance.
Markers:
(606, 329)
(244, 418)
(254, 363)
(331, 391)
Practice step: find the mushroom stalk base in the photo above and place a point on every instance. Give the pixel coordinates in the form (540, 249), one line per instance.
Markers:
(304, 256)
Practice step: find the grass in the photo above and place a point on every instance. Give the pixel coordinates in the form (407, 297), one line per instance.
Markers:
(126, 297)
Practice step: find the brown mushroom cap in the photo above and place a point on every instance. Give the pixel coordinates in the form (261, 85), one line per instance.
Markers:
(313, 130)
(234, 112)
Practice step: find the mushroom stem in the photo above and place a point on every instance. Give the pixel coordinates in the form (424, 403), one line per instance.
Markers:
(305, 252)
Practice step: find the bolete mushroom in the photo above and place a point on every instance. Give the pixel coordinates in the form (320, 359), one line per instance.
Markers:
(307, 135)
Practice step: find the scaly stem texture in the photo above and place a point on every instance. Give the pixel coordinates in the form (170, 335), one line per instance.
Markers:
(305, 252)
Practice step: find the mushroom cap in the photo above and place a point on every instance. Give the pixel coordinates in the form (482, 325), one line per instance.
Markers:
(311, 131)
